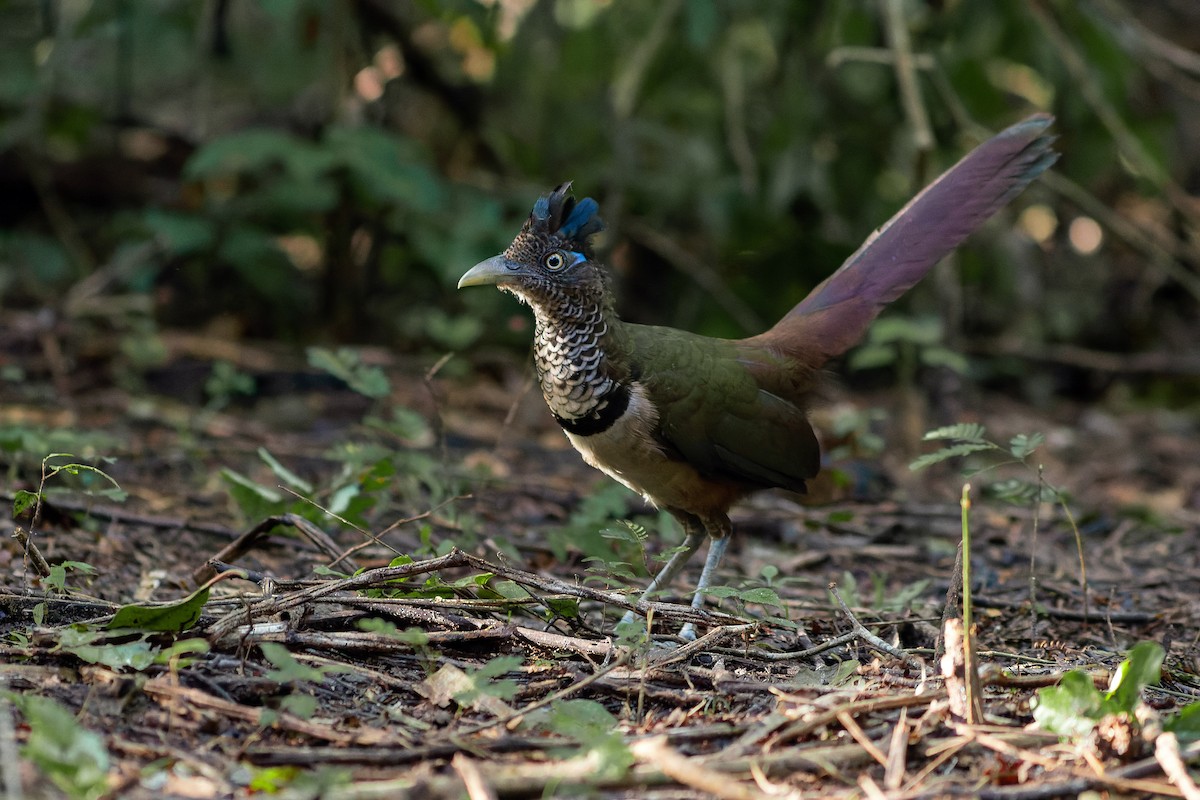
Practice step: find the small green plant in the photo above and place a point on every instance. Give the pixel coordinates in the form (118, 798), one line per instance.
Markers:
(27, 502)
(753, 595)
(854, 433)
(592, 729)
(55, 582)
(346, 365)
(25, 445)
(970, 437)
(71, 756)
(486, 681)
(906, 343)
(351, 495)
(288, 671)
(271, 780)
(597, 513)
(226, 382)
(431, 585)
(1075, 707)
(124, 648)
(394, 466)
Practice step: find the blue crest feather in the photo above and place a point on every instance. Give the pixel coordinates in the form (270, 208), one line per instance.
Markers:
(558, 214)
(580, 216)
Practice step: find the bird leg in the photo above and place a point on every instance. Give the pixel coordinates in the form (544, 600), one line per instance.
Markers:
(718, 531)
(677, 561)
(718, 541)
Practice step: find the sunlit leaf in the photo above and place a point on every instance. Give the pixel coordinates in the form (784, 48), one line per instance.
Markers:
(24, 500)
(1070, 709)
(1142, 667)
(963, 431)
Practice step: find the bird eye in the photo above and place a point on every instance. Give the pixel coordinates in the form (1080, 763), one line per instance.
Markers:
(554, 261)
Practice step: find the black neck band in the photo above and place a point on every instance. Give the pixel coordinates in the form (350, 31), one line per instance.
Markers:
(600, 420)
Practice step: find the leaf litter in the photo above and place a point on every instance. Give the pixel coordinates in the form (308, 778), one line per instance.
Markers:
(469, 650)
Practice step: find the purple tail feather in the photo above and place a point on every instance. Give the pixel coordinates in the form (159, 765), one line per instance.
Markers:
(835, 315)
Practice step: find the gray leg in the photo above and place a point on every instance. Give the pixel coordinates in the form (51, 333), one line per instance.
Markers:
(716, 549)
(690, 545)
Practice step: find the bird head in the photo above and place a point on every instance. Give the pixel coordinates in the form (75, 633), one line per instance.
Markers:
(551, 256)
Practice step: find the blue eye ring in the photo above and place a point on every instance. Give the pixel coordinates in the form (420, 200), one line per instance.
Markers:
(557, 260)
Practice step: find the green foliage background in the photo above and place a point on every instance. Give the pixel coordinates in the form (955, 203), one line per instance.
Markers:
(318, 171)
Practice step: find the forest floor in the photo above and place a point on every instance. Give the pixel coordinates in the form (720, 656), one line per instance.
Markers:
(459, 642)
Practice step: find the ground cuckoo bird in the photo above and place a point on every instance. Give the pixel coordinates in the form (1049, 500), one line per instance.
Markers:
(695, 423)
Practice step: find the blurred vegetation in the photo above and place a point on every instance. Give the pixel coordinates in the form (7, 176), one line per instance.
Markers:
(316, 172)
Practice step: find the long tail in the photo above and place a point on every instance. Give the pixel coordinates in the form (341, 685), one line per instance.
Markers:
(835, 315)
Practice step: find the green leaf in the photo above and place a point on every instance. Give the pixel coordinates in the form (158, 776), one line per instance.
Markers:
(137, 655)
(174, 617)
(953, 451)
(263, 492)
(1186, 724)
(300, 704)
(762, 595)
(452, 332)
(284, 474)
(595, 730)
(72, 757)
(181, 648)
(1022, 445)
(346, 366)
(1070, 709)
(388, 169)
(625, 531)
(255, 500)
(1142, 667)
(24, 500)
(581, 719)
(498, 666)
(271, 780)
(76, 469)
(1014, 490)
(254, 252)
(413, 636)
(872, 356)
(564, 607)
(179, 234)
(287, 668)
(57, 579)
(486, 680)
(509, 590)
(937, 356)
(922, 331)
(407, 425)
(339, 501)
